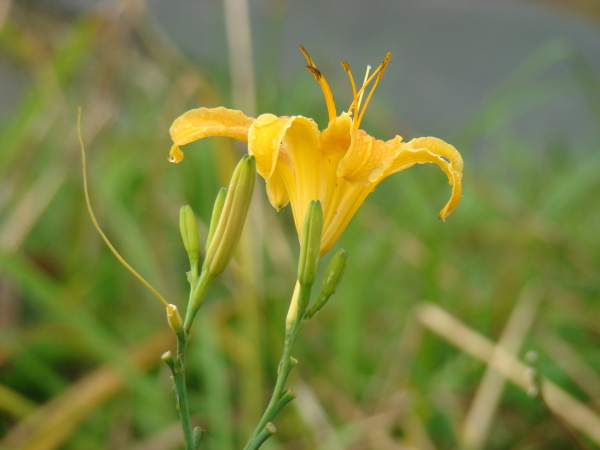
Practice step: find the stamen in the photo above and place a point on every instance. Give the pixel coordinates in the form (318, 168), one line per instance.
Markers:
(346, 67)
(379, 71)
(360, 97)
(329, 100)
(364, 86)
(307, 56)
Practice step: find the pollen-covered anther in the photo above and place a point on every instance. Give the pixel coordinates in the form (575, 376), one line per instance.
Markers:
(316, 72)
(312, 67)
(384, 64)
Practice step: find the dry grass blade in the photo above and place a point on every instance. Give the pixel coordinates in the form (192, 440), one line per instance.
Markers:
(567, 358)
(479, 418)
(562, 404)
(51, 424)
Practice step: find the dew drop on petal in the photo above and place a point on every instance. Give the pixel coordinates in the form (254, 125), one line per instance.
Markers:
(444, 158)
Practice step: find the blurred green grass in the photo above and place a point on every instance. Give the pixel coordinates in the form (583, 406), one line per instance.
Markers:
(371, 374)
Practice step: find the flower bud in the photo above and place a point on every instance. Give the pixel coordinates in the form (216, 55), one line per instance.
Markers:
(310, 243)
(334, 273)
(189, 234)
(174, 319)
(233, 215)
(331, 281)
(167, 357)
(197, 436)
(216, 215)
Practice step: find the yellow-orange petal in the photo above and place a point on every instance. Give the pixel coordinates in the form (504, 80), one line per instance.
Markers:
(204, 122)
(298, 165)
(290, 147)
(367, 158)
(277, 191)
(264, 138)
(175, 155)
(335, 139)
(433, 150)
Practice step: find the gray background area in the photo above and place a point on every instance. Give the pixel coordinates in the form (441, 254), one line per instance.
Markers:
(450, 58)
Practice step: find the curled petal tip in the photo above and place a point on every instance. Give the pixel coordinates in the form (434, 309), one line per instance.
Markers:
(175, 155)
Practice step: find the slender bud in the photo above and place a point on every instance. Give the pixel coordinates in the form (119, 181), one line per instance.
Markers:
(216, 215)
(189, 234)
(310, 243)
(331, 281)
(334, 273)
(233, 215)
(174, 319)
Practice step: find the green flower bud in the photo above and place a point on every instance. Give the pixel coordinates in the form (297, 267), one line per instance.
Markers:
(233, 215)
(310, 243)
(174, 319)
(197, 436)
(216, 215)
(331, 281)
(189, 234)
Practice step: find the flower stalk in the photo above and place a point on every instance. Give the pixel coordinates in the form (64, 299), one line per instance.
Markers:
(324, 175)
(307, 267)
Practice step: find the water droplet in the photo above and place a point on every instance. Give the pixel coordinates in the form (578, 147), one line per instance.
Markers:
(444, 158)
(171, 159)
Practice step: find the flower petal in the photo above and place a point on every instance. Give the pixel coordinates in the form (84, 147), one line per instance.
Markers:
(287, 146)
(264, 139)
(277, 191)
(299, 166)
(367, 158)
(433, 150)
(203, 122)
(343, 204)
(335, 139)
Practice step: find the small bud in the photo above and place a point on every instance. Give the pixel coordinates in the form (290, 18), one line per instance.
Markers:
(233, 215)
(189, 234)
(331, 281)
(197, 436)
(292, 315)
(174, 319)
(334, 273)
(216, 215)
(310, 243)
(286, 397)
(167, 357)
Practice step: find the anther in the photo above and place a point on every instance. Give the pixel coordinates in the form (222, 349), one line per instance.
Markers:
(316, 72)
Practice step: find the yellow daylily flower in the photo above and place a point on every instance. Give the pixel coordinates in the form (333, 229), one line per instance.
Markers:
(338, 166)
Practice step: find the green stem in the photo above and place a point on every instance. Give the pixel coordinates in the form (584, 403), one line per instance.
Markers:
(197, 296)
(199, 289)
(280, 398)
(268, 431)
(181, 392)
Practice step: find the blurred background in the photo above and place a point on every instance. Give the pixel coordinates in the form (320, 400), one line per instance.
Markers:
(440, 334)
